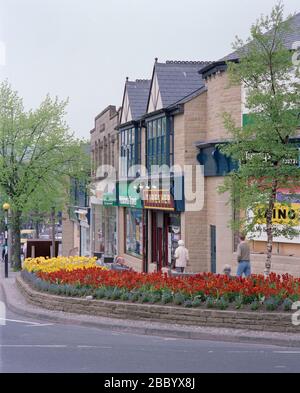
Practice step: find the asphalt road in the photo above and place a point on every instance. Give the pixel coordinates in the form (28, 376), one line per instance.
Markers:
(28, 345)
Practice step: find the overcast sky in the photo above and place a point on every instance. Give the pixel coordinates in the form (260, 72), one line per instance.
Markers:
(84, 49)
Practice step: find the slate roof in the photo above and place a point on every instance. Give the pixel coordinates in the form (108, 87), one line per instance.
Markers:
(289, 37)
(138, 92)
(178, 79)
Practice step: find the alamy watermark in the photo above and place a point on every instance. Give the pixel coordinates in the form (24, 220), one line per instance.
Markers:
(184, 184)
(2, 314)
(296, 315)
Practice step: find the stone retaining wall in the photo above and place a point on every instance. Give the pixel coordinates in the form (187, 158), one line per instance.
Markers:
(274, 322)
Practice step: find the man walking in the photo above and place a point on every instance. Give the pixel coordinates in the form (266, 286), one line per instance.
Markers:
(243, 256)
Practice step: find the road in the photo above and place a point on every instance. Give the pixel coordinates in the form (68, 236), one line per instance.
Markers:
(28, 345)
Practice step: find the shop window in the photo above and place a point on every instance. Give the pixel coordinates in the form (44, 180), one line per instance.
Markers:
(134, 232)
(157, 143)
(130, 149)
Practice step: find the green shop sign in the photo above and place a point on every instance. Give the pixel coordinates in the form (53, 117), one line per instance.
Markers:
(128, 196)
(110, 200)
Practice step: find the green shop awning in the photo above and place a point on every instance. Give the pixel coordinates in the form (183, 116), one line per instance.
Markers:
(128, 195)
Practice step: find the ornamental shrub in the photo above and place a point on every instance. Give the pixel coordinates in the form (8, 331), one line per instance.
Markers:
(255, 305)
(179, 299)
(272, 303)
(196, 302)
(287, 304)
(210, 302)
(124, 297)
(239, 301)
(166, 298)
(100, 293)
(222, 304)
(155, 297)
(188, 303)
(134, 297)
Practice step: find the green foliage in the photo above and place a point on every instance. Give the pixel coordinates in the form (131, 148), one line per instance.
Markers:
(145, 297)
(38, 155)
(100, 293)
(179, 299)
(125, 296)
(134, 296)
(188, 303)
(239, 301)
(196, 303)
(287, 304)
(255, 305)
(222, 304)
(166, 298)
(155, 297)
(210, 302)
(272, 304)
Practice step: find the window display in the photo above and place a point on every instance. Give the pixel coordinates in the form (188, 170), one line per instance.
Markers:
(134, 232)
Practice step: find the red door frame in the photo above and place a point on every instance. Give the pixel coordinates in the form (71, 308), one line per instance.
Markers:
(153, 237)
(166, 236)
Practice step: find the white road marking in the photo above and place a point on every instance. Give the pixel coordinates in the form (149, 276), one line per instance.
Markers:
(25, 322)
(41, 325)
(92, 347)
(287, 352)
(31, 346)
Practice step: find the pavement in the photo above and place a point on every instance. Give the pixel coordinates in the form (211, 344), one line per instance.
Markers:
(37, 340)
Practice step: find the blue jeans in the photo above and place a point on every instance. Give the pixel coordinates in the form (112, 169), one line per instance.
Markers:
(244, 268)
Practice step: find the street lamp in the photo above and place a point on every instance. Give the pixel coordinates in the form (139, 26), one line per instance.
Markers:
(6, 208)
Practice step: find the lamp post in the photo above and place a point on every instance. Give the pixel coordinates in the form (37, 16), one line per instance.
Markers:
(6, 208)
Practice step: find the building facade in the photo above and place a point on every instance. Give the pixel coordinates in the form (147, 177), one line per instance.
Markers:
(103, 201)
(222, 243)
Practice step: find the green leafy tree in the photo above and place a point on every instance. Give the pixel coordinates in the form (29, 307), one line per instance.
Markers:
(38, 154)
(264, 147)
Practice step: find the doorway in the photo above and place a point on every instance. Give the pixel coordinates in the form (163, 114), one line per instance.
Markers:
(159, 239)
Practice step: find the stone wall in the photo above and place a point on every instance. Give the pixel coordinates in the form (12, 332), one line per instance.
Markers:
(278, 322)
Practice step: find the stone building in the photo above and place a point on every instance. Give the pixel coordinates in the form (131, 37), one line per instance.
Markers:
(103, 201)
(221, 241)
(173, 119)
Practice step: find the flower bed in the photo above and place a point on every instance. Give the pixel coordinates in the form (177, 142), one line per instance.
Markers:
(67, 264)
(212, 291)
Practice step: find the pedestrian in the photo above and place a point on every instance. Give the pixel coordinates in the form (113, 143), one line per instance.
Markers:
(243, 257)
(227, 271)
(181, 257)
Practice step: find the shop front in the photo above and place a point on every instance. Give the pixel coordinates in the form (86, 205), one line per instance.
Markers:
(84, 231)
(130, 205)
(163, 229)
(104, 225)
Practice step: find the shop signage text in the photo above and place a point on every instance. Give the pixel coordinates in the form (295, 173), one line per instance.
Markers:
(158, 199)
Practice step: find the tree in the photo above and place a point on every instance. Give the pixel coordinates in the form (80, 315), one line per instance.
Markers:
(265, 147)
(38, 154)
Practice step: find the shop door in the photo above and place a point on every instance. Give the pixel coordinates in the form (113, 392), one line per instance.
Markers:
(160, 248)
(145, 241)
(213, 248)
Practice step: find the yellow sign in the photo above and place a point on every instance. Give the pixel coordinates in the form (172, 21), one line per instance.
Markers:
(282, 214)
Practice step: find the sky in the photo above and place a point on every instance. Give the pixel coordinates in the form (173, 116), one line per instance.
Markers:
(84, 49)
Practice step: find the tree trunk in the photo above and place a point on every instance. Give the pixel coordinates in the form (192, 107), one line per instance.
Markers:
(16, 240)
(269, 218)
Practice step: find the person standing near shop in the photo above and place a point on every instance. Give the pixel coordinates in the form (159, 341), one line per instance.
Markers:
(181, 257)
(243, 257)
